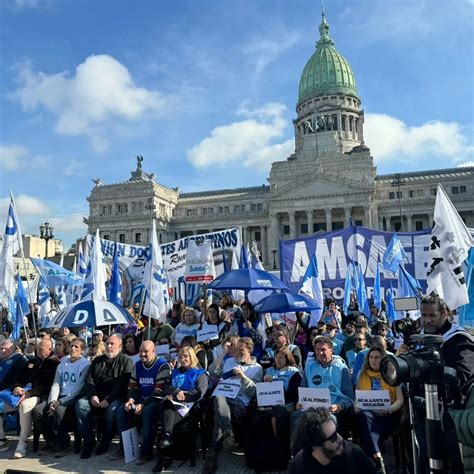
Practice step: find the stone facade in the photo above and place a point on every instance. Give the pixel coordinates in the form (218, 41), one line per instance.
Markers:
(329, 179)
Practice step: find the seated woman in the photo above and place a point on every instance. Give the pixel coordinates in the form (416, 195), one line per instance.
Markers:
(280, 340)
(284, 370)
(189, 384)
(199, 350)
(250, 325)
(375, 425)
(188, 326)
(61, 348)
(131, 347)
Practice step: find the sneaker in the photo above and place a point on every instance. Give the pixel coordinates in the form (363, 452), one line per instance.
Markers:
(228, 441)
(166, 442)
(3, 444)
(379, 466)
(21, 450)
(210, 466)
(118, 454)
(63, 452)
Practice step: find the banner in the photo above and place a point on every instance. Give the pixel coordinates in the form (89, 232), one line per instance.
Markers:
(134, 257)
(336, 250)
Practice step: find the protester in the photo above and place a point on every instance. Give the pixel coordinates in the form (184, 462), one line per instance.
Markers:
(280, 339)
(332, 315)
(147, 386)
(251, 326)
(131, 347)
(323, 448)
(360, 343)
(199, 350)
(187, 327)
(51, 417)
(61, 348)
(374, 425)
(106, 387)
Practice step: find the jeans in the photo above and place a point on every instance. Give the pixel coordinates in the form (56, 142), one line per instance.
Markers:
(149, 417)
(84, 414)
(225, 409)
(373, 427)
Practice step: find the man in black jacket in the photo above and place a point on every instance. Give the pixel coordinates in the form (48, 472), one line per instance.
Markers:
(106, 388)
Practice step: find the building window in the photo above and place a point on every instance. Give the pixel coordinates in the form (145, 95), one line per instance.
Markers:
(304, 228)
(391, 195)
(319, 226)
(106, 237)
(221, 210)
(226, 209)
(358, 222)
(462, 189)
(433, 191)
(418, 225)
(253, 207)
(411, 193)
(454, 190)
(260, 207)
(138, 237)
(286, 229)
(338, 225)
(162, 209)
(204, 211)
(236, 209)
(122, 238)
(420, 193)
(258, 236)
(189, 212)
(242, 207)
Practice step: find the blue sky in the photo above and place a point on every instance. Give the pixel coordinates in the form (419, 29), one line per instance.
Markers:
(206, 90)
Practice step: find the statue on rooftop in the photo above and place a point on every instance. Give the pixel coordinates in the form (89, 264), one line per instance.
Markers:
(139, 162)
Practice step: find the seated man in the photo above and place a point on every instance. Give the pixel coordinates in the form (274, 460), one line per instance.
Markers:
(245, 368)
(49, 416)
(327, 370)
(323, 448)
(146, 389)
(13, 372)
(106, 388)
(40, 376)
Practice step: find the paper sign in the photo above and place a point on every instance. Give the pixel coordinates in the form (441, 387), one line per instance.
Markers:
(183, 408)
(314, 397)
(162, 349)
(373, 400)
(199, 262)
(209, 332)
(227, 388)
(270, 393)
(130, 444)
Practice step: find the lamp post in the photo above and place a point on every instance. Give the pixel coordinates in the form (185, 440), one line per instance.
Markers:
(46, 233)
(399, 181)
(274, 251)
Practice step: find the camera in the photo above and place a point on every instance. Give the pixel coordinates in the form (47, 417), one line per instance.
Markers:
(405, 328)
(423, 365)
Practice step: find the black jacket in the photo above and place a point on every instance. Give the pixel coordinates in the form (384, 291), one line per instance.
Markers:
(41, 375)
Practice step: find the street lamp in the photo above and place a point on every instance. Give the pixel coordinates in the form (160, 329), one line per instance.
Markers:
(274, 251)
(46, 233)
(399, 181)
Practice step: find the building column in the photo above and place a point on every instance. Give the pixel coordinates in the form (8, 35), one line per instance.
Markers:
(310, 222)
(293, 230)
(368, 217)
(274, 240)
(328, 219)
(409, 218)
(347, 216)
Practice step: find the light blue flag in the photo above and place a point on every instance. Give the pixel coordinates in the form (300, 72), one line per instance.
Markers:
(466, 312)
(407, 284)
(115, 284)
(22, 309)
(44, 303)
(60, 291)
(394, 254)
(81, 263)
(362, 293)
(348, 287)
(224, 262)
(244, 257)
(390, 307)
(311, 285)
(377, 288)
(55, 275)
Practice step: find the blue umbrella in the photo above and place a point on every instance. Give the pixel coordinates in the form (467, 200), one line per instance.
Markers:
(285, 302)
(247, 279)
(91, 313)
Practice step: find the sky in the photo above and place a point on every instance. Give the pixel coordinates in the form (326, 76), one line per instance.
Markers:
(205, 91)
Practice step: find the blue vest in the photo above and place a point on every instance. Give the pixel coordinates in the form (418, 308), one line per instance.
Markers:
(146, 376)
(283, 375)
(327, 377)
(186, 380)
(7, 364)
(271, 351)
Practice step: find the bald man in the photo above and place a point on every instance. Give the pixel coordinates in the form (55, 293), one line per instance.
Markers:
(151, 378)
(106, 389)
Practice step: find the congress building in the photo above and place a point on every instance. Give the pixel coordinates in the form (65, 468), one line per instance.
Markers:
(332, 164)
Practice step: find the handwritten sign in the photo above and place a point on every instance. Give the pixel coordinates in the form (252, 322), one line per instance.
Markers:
(373, 400)
(207, 333)
(314, 397)
(130, 444)
(162, 349)
(227, 388)
(270, 393)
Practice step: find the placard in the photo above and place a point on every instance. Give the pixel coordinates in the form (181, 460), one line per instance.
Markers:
(227, 388)
(207, 333)
(373, 400)
(199, 262)
(130, 444)
(182, 407)
(270, 393)
(314, 397)
(162, 349)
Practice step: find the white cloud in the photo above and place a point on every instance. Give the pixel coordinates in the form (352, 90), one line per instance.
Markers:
(25, 3)
(391, 140)
(73, 168)
(101, 91)
(250, 141)
(466, 163)
(26, 206)
(17, 158)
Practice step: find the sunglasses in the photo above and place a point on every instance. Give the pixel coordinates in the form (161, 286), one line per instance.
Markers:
(359, 339)
(332, 438)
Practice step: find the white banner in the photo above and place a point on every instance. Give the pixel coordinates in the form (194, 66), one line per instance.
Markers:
(270, 393)
(209, 332)
(227, 388)
(162, 349)
(314, 397)
(373, 400)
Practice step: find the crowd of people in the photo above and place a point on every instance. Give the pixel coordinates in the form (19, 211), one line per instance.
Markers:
(157, 375)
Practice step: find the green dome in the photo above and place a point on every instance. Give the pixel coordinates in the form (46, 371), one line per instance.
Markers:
(327, 71)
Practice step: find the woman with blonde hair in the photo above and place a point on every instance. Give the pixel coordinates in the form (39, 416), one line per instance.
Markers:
(375, 425)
